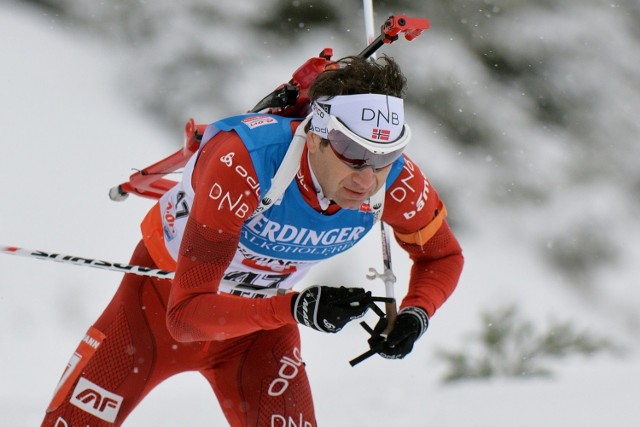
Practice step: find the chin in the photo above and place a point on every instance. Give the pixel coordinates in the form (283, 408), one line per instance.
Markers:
(350, 204)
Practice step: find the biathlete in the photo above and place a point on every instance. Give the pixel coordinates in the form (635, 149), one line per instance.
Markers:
(264, 199)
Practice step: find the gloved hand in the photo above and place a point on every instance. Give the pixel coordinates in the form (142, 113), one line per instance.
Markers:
(328, 309)
(411, 323)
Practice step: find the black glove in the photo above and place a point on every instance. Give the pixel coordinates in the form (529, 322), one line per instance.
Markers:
(411, 323)
(328, 309)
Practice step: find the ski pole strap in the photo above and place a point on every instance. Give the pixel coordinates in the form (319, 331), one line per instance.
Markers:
(367, 354)
(364, 356)
(373, 350)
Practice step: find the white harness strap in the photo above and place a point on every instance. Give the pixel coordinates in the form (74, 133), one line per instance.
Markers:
(288, 169)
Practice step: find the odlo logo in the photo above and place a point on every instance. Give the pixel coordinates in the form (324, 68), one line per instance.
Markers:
(289, 368)
(96, 401)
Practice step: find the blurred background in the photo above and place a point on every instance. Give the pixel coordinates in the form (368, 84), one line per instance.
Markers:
(525, 118)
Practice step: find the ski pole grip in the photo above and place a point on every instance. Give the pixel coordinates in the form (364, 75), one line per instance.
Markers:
(392, 315)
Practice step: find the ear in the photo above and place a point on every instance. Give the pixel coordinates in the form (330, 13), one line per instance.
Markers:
(313, 142)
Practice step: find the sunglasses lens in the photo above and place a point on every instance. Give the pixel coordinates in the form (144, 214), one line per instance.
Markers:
(356, 156)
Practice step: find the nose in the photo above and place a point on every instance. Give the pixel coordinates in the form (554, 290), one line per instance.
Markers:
(365, 178)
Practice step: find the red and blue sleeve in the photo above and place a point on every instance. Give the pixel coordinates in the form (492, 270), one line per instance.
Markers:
(417, 215)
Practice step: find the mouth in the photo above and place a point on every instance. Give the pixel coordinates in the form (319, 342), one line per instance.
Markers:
(356, 195)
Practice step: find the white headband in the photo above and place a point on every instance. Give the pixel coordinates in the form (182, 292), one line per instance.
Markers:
(374, 117)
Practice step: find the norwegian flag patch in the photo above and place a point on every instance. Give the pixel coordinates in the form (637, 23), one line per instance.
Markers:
(380, 134)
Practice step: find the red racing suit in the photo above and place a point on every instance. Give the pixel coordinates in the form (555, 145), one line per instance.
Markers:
(248, 348)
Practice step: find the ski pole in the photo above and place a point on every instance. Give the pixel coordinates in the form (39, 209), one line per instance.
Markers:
(87, 262)
(225, 285)
(412, 28)
(389, 280)
(367, 6)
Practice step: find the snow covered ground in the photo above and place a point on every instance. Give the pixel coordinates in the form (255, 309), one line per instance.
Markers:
(67, 137)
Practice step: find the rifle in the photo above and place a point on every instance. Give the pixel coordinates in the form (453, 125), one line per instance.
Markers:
(289, 100)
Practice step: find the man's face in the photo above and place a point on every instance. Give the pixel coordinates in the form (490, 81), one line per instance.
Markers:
(348, 187)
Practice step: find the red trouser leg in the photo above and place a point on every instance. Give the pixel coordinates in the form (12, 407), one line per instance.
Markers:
(126, 353)
(260, 380)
